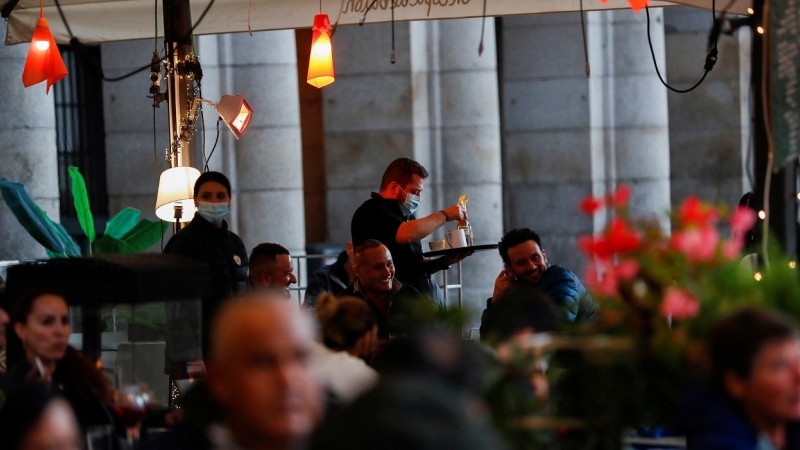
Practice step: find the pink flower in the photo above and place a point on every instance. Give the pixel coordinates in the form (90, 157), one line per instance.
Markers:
(591, 205)
(742, 220)
(698, 244)
(627, 269)
(732, 248)
(694, 213)
(621, 196)
(679, 304)
(601, 282)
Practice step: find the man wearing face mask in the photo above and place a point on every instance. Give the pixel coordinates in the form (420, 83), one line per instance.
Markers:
(208, 240)
(389, 218)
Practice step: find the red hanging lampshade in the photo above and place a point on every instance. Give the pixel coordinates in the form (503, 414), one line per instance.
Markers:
(320, 64)
(44, 61)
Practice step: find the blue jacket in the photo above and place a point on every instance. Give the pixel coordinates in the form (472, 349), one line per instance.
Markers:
(711, 420)
(567, 293)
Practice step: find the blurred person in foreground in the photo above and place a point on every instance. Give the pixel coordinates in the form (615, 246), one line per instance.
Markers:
(36, 417)
(752, 400)
(333, 278)
(206, 239)
(40, 318)
(271, 268)
(349, 337)
(526, 264)
(376, 284)
(427, 398)
(260, 381)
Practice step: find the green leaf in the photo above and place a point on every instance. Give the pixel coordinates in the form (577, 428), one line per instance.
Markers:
(81, 198)
(122, 223)
(35, 220)
(108, 245)
(144, 235)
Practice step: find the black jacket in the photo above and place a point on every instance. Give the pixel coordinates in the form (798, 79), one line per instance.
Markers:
(225, 254)
(332, 278)
(401, 311)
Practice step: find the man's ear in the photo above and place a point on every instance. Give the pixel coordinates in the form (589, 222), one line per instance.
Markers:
(544, 253)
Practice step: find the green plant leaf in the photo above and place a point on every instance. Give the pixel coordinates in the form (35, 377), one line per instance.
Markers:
(144, 235)
(122, 223)
(35, 221)
(81, 199)
(108, 245)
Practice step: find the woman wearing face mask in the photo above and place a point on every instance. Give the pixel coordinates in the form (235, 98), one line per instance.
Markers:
(40, 319)
(206, 239)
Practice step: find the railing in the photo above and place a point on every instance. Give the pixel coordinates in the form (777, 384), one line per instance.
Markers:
(300, 263)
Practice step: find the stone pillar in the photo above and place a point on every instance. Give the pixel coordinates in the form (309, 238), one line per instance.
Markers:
(133, 164)
(438, 104)
(27, 151)
(628, 109)
(457, 135)
(265, 165)
(368, 114)
(708, 128)
(546, 131)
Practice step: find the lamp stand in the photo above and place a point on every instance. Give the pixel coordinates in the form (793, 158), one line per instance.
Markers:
(178, 215)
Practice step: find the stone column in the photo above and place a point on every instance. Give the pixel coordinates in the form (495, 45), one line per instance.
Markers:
(457, 135)
(27, 151)
(546, 131)
(708, 128)
(368, 114)
(628, 109)
(265, 165)
(133, 164)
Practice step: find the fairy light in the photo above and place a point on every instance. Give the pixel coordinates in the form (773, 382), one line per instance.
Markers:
(792, 264)
(757, 276)
(751, 11)
(762, 215)
(760, 30)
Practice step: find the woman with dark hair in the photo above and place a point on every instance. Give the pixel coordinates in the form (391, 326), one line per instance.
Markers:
(40, 318)
(752, 401)
(349, 334)
(208, 240)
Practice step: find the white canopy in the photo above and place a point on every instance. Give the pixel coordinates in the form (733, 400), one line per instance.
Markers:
(94, 21)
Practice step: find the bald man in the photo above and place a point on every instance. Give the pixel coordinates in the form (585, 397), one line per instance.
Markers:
(259, 375)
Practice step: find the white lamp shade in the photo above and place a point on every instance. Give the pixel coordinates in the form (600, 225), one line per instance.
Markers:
(176, 187)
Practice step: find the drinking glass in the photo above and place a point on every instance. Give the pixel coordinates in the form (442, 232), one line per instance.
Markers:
(131, 403)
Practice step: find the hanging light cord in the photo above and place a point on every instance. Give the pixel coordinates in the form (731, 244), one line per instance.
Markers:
(393, 58)
(587, 68)
(483, 28)
(214, 147)
(80, 48)
(364, 16)
(711, 57)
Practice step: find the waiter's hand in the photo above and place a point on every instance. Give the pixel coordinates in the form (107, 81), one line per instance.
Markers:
(504, 281)
(456, 212)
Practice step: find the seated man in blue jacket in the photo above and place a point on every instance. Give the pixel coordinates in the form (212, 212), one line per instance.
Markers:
(526, 264)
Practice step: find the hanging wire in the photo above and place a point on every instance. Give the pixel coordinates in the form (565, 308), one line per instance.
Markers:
(155, 33)
(711, 57)
(79, 46)
(338, 16)
(393, 55)
(767, 117)
(364, 16)
(205, 166)
(483, 28)
(249, 6)
(586, 68)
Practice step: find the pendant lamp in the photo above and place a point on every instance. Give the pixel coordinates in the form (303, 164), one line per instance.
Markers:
(320, 64)
(44, 61)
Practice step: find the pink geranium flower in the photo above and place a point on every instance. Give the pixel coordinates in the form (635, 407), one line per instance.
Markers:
(679, 304)
(627, 269)
(591, 205)
(731, 249)
(698, 244)
(742, 220)
(695, 213)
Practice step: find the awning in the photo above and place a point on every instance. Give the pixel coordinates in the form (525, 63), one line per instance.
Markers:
(94, 21)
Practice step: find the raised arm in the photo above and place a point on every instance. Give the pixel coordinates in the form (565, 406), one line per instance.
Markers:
(419, 229)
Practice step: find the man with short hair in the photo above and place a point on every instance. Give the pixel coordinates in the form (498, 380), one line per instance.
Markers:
(260, 381)
(389, 218)
(526, 263)
(376, 284)
(271, 268)
(333, 278)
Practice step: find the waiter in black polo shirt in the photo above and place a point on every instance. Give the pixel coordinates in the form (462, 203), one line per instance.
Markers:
(389, 217)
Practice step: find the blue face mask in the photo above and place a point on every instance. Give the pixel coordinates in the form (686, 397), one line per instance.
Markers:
(213, 212)
(412, 202)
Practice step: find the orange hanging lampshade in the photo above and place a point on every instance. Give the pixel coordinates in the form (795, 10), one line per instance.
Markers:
(44, 60)
(320, 64)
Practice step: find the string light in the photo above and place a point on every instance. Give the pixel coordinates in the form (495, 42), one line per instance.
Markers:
(757, 276)
(760, 30)
(762, 215)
